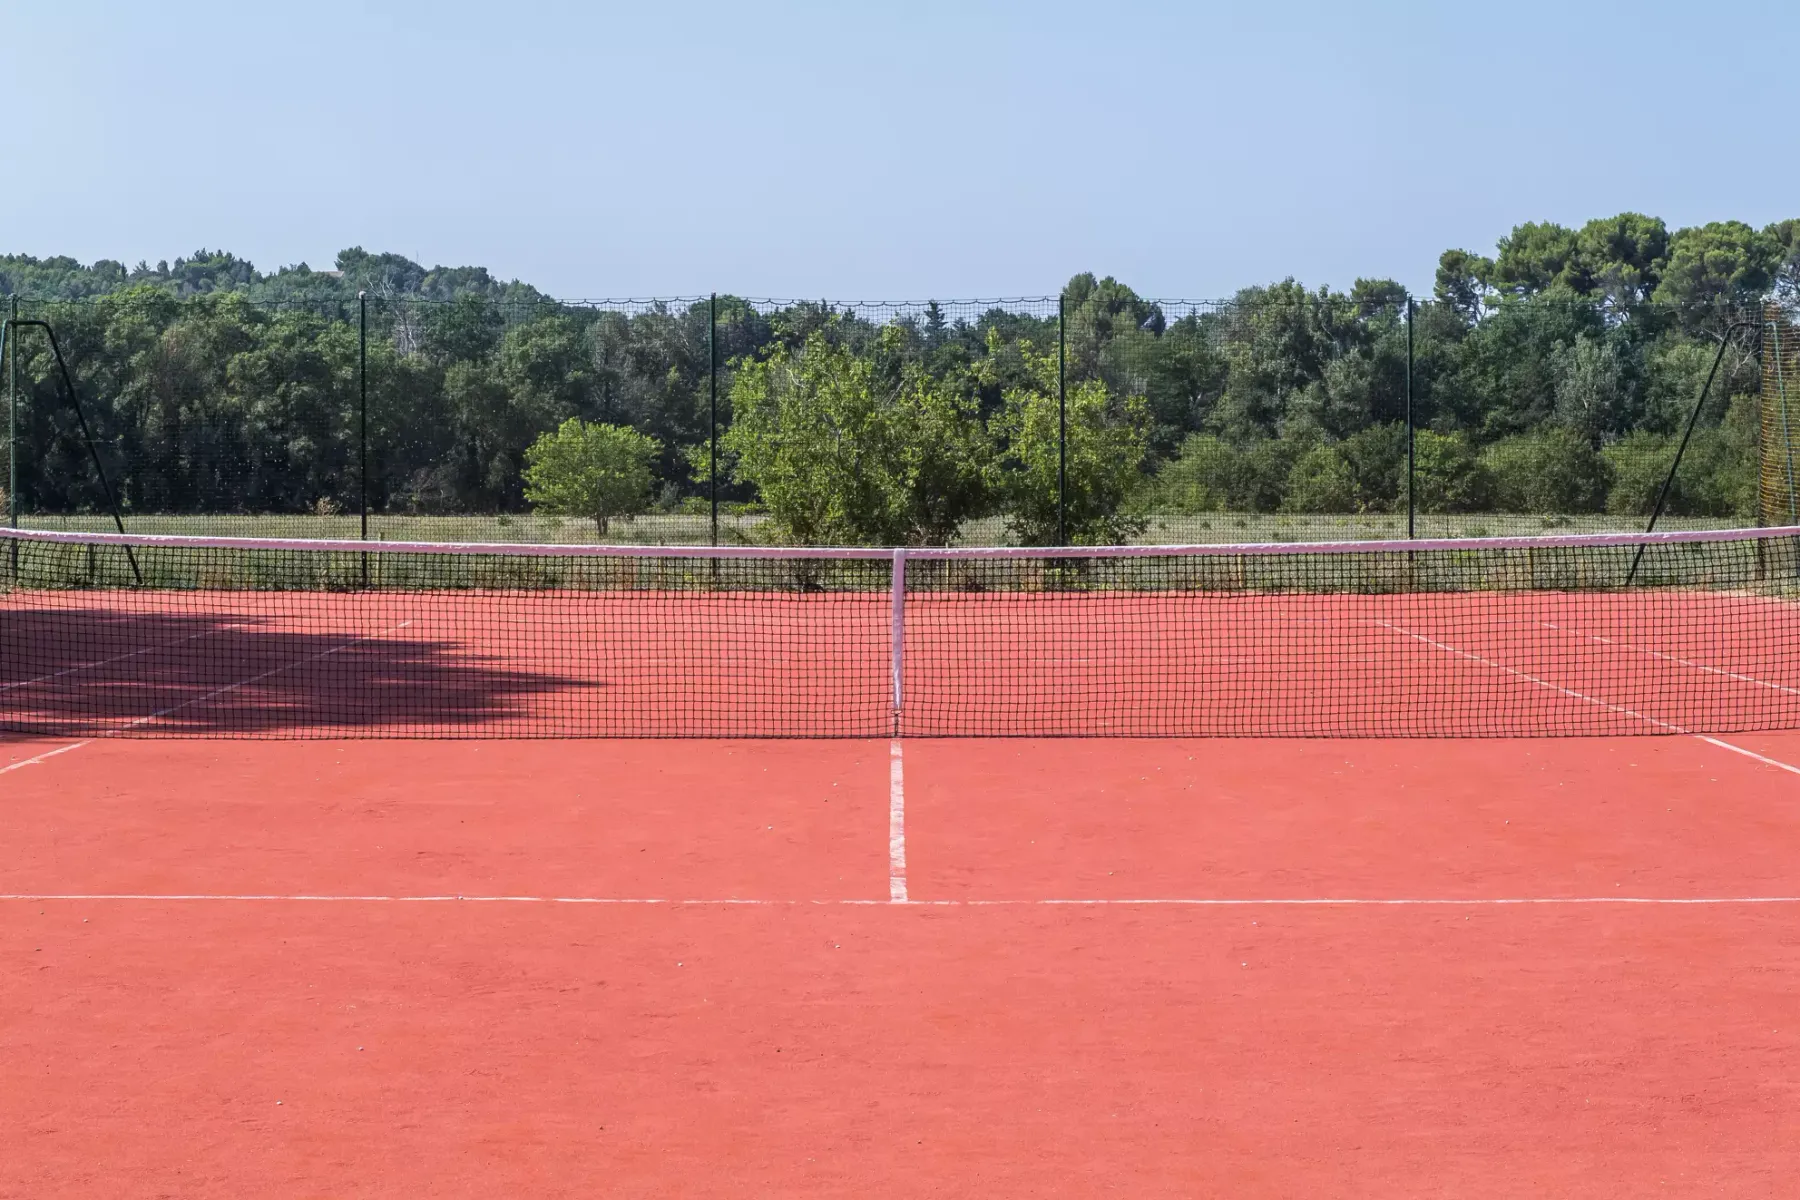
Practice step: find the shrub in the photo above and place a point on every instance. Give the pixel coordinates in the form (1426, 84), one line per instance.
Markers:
(1321, 481)
(1376, 457)
(1448, 476)
(1550, 471)
(1199, 478)
(1213, 475)
(1639, 462)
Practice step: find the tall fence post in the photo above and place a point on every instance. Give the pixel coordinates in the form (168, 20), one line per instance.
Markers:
(12, 420)
(1062, 421)
(1411, 500)
(712, 388)
(362, 420)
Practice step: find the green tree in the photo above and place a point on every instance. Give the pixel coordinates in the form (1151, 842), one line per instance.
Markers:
(1200, 478)
(590, 470)
(845, 450)
(1535, 257)
(1724, 263)
(1622, 257)
(1593, 390)
(1462, 283)
(1107, 443)
(1321, 482)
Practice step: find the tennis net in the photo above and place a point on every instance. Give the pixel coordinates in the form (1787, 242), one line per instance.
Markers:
(228, 637)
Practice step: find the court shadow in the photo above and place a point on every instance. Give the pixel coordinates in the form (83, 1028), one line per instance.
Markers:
(86, 672)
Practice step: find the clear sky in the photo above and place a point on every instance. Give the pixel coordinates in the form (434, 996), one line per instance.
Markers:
(882, 150)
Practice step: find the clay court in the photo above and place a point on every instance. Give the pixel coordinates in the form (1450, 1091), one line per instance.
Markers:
(292, 908)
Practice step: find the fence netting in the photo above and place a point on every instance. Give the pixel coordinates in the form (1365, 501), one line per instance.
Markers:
(1096, 416)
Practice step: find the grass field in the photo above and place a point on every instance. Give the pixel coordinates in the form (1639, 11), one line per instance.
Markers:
(683, 529)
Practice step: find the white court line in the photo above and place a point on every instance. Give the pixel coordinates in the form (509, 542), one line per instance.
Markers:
(896, 824)
(103, 662)
(1672, 658)
(188, 703)
(1151, 902)
(1488, 662)
(32, 762)
(1761, 758)
(1529, 678)
(232, 687)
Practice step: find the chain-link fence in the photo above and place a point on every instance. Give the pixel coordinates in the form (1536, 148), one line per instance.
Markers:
(1097, 415)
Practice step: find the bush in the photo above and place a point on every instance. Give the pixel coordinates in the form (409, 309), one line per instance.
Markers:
(1639, 462)
(1213, 475)
(1321, 481)
(843, 454)
(1448, 476)
(1717, 476)
(1376, 457)
(1262, 474)
(1547, 472)
(1362, 473)
(1198, 480)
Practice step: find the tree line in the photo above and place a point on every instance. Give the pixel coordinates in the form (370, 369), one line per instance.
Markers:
(1552, 377)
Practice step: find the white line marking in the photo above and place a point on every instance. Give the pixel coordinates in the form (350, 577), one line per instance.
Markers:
(1673, 658)
(1711, 741)
(232, 687)
(103, 662)
(1154, 902)
(1529, 678)
(896, 824)
(29, 762)
(1761, 758)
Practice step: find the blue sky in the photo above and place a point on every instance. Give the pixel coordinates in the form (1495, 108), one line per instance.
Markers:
(882, 151)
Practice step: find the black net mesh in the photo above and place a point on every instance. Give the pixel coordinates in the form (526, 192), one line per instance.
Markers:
(1626, 635)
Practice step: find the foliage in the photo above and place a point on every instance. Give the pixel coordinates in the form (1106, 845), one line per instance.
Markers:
(1554, 470)
(590, 470)
(215, 387)
(1364, 472)
(842, 455)
(1106, 446)
(1200, 479)
(1716, 478)
(1448, 475)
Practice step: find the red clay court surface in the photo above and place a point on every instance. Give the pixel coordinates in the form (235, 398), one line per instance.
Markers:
(1368, 968)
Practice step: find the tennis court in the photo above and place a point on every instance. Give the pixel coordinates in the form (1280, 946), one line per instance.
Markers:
(400, 883)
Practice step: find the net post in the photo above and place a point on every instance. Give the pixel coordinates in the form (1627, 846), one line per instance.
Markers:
(9, 342)
(9, 346)
(1062, 421)
(712, 385)
(362, 416)
(897, 635)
